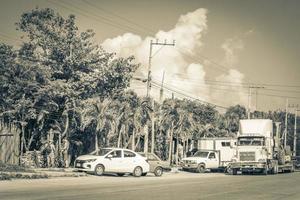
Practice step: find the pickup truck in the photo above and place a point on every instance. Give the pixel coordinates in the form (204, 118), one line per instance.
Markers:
(202, 161)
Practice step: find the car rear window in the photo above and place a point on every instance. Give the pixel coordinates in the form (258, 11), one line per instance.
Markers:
(128, 154)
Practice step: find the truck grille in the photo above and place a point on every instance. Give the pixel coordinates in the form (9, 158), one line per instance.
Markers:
(247, 156)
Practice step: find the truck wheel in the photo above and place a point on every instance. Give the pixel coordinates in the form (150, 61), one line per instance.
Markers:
(265, 171)
(234, 171)
(99, 170)
(201, 169)
(228, 170)
(274, 169)
(158, 171)
(137, 172)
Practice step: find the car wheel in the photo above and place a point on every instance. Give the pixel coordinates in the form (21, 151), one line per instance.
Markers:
(144, 174)
(158, 171)
(137, 172)
(99, 170)
(201, 169)
(120, 174)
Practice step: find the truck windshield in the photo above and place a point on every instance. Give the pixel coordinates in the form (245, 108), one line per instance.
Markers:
(250, 141)
(200, 154)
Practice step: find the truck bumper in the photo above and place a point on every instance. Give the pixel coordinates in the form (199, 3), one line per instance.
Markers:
(248, 166)
(189, 167)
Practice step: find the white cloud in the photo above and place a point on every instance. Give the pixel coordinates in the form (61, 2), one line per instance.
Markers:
(180, 73)
(187, 32)
(231, 46)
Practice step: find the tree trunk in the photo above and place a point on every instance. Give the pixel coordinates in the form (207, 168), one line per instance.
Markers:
(96, 142)
(146, 131)
(170, 144)
(120, 135)
(137, 143)
(177, 144)
(133, 140)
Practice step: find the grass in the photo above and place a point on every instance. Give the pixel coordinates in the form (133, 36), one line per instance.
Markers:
(13, 168)
(9, 176)
(10, 171)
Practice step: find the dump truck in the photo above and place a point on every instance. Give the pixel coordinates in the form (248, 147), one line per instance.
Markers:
(259, 149)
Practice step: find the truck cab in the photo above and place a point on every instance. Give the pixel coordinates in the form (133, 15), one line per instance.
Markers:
(254, 146)
(202, 161)
(259, 149)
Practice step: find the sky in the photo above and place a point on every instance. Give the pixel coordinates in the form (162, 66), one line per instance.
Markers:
(221, 46)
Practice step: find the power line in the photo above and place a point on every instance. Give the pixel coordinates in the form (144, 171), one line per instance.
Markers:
(239, 83)
(95, 16)
(92, 5)
(188, 96)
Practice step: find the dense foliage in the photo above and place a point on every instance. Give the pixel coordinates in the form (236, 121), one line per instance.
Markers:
(60, 85)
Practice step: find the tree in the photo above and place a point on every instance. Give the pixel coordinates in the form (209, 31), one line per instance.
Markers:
(55, 70)
(232, 117)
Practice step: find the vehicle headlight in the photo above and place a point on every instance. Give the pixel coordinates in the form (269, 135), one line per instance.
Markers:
(90, 160)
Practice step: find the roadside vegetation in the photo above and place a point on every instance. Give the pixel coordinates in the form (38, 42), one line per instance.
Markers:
(69, 96)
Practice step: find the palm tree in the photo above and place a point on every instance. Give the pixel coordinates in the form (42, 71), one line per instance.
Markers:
(95, 111)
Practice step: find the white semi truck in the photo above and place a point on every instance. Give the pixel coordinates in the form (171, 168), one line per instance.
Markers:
(212, 154)
(259, 149)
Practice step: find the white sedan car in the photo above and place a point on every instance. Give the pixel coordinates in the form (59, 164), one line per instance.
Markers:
(113, 160)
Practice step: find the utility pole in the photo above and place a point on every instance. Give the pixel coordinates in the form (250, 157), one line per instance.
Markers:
(295, 128)
(286, 122)
(149, 78)
(295, 133)
(249, 98)
(161, 92)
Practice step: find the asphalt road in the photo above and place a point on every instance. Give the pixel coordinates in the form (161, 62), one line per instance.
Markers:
(183, 186)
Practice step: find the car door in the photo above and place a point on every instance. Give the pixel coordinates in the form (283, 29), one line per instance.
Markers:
(212, 161)
(153, 161)
(130, 161)
(114, 161)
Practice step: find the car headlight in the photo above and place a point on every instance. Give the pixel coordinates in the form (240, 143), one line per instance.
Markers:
(90, 160)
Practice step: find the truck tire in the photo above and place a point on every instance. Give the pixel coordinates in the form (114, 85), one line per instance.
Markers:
(281, 157)
(265, 171)
(201, 168)
(234, 171)
(228, 170)
(274, 169)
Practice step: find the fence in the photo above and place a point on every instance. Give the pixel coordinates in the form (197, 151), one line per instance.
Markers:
(9, 143)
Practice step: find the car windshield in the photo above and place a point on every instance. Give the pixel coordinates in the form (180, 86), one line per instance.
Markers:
(201, 154)
(100, 152)
(250, 141)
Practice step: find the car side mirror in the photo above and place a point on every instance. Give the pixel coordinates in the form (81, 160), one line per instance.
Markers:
(109, 156)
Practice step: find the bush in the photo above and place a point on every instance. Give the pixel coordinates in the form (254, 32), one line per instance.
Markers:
(4, 176)
(13, 168)
(7, 176)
